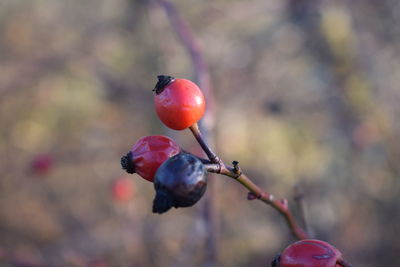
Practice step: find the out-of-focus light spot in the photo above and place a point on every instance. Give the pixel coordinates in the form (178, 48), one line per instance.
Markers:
(123, 189)
(336, 27)
(198, 100)
(28, 134)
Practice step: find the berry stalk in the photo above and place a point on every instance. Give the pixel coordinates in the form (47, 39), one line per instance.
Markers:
(206, 148)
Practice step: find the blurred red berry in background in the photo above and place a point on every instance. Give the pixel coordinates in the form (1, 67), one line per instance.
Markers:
(123, 189)
(42, 164)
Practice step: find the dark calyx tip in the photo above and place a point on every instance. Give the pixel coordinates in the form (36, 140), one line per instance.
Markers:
(162, 202)
(126, 163)
(275, 262)
(163, 80)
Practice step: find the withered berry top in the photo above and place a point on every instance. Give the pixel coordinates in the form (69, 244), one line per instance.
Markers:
(163, 80)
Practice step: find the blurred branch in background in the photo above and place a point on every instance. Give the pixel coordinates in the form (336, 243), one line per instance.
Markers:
(202, 78)
(332, 57)
(299, 198)
(343, 39)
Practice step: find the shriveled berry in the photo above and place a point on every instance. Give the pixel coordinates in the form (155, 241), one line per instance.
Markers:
(179, 102)
(309, 253)
(148, 154)
(179, 182)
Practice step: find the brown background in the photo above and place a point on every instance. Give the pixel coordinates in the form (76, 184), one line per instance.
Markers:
(306, 91)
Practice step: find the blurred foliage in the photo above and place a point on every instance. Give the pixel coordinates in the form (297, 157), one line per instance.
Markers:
(307, 95)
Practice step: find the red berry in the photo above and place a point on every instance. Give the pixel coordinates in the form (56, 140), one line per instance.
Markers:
(310, 253)
(42, 164)
(123, 189)
(179, 102)
(148, 154)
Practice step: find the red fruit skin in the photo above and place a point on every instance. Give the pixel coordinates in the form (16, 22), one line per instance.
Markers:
(180, 104)
(310, 253)
(150, 152)
(123, 189)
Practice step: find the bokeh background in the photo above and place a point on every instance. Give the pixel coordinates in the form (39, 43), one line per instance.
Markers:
(306, 94)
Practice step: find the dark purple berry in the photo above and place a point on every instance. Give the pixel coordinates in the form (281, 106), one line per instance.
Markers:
(179, 182)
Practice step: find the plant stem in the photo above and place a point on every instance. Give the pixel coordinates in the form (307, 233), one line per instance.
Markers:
(281, 205)
(206, 148)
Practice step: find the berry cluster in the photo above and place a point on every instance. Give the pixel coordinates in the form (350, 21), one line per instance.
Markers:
(179, 177)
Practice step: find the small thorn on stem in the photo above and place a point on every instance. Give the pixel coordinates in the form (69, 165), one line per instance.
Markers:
(236, 169)
(251, 196)
(284, 203)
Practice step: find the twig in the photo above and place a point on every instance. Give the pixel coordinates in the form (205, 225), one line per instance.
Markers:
(281, 205)
(206, 148)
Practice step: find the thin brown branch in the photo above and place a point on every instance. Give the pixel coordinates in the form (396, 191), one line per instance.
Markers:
(206, 148)
(281, 205)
